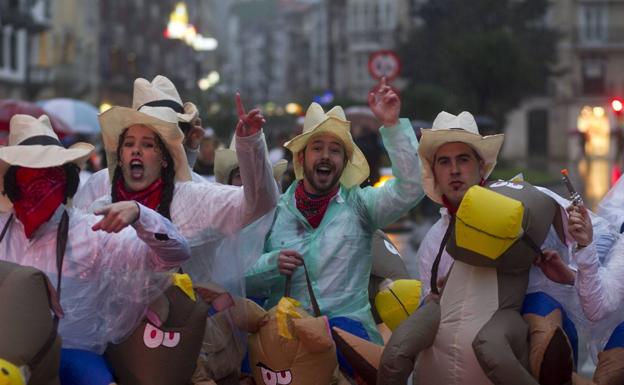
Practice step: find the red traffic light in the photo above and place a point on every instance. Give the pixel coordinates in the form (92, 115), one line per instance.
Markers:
(616, 105)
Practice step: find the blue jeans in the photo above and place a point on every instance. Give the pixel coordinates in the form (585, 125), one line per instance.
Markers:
(354, 327)
(617, 338)
(81, 367)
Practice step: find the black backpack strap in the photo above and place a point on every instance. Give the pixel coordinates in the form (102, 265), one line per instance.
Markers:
(6, 227)
(61, 245)
(436, 262)
(315, 305)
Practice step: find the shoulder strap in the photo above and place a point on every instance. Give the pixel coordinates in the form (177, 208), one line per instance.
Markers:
(315, 306)
(6, 227)
(436, 262)
(61, 244)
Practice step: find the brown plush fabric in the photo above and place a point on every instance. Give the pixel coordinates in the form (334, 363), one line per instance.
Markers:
(550, 355)
(363, 356)
(306, 363)
(134, 363)
(610, 369)
(222, 352)
(26, 321)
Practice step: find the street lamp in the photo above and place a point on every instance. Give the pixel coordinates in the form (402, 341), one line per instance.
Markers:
(179, 28)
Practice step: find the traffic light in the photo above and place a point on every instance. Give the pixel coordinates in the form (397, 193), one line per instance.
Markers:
(617, 106)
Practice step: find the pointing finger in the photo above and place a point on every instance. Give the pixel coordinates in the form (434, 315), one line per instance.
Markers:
(239, 106)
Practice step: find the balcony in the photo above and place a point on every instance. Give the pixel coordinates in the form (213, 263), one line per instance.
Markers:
(599, 38)
(32, 15)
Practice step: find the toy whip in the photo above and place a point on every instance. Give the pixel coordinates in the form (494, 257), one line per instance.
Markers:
(575, 197)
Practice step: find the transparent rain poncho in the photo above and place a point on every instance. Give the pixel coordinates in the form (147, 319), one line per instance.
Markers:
(108, 279)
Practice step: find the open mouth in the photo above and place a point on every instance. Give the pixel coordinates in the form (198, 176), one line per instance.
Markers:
(136, 169)
(323, 170)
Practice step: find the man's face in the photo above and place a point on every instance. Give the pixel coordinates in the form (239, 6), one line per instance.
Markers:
(323, 161)
(140, 157)
(207, 151)
(456, 168)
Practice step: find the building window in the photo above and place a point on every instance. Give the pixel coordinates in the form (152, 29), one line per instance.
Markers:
(13, 50)
(537, 122)
(593, 76)
(593, 22)
(2, 45)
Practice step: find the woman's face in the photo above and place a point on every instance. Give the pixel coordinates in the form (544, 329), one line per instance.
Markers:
(140, 157)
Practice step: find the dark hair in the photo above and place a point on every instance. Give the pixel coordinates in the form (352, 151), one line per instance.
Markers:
(72, 173)
(167, 173)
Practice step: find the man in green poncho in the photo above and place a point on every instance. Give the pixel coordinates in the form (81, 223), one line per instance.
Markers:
(328, 221)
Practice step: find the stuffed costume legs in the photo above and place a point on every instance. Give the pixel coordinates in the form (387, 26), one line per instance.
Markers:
(481, 337)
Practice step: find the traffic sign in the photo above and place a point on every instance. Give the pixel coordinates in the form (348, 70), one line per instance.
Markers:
(384, 63)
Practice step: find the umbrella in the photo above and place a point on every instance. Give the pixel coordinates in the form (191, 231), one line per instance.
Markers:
(10, 107)
(81, 116)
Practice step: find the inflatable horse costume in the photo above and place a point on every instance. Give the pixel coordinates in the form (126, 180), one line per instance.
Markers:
(476, 335)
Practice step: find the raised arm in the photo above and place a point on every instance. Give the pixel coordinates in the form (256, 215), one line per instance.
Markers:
(206, 211)
(260, 189)
(386, 204)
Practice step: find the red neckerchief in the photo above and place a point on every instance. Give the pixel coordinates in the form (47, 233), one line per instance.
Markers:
(148, 197)
(449, 206)
(313, 209)
(41, 192)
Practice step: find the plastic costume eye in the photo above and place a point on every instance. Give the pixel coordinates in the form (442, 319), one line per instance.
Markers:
(268, 376)
(172, 339)
(284, 377)
(152, 336)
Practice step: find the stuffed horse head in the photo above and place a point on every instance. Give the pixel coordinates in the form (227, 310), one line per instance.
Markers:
(29, 344)
(163, 349)
(292, 348)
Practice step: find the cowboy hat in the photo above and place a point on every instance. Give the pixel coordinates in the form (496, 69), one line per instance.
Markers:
(162, 93)
(335, 123)
(226, 161)
(449, 128)
(33, 144)
(155, 113)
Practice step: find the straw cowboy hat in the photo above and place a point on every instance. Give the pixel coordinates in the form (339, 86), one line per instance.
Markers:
(449, 128)
(335, 123)
(153, 105)
(226, 161)
(33, 144)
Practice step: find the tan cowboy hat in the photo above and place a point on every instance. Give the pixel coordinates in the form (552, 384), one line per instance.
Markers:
(33, 144)
(162, 93)
(155, 113)
(335, 123)
(449, 128)
(226, 161)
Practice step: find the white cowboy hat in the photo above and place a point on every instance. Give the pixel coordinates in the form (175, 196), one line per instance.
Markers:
(226, 160)
(335, 123)
(162, 93)
(33, 144)
(449, 128)
(155, 113)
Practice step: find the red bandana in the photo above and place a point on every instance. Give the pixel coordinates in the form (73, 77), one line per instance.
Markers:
(148, 197)
(41, 191)
(313, 209)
